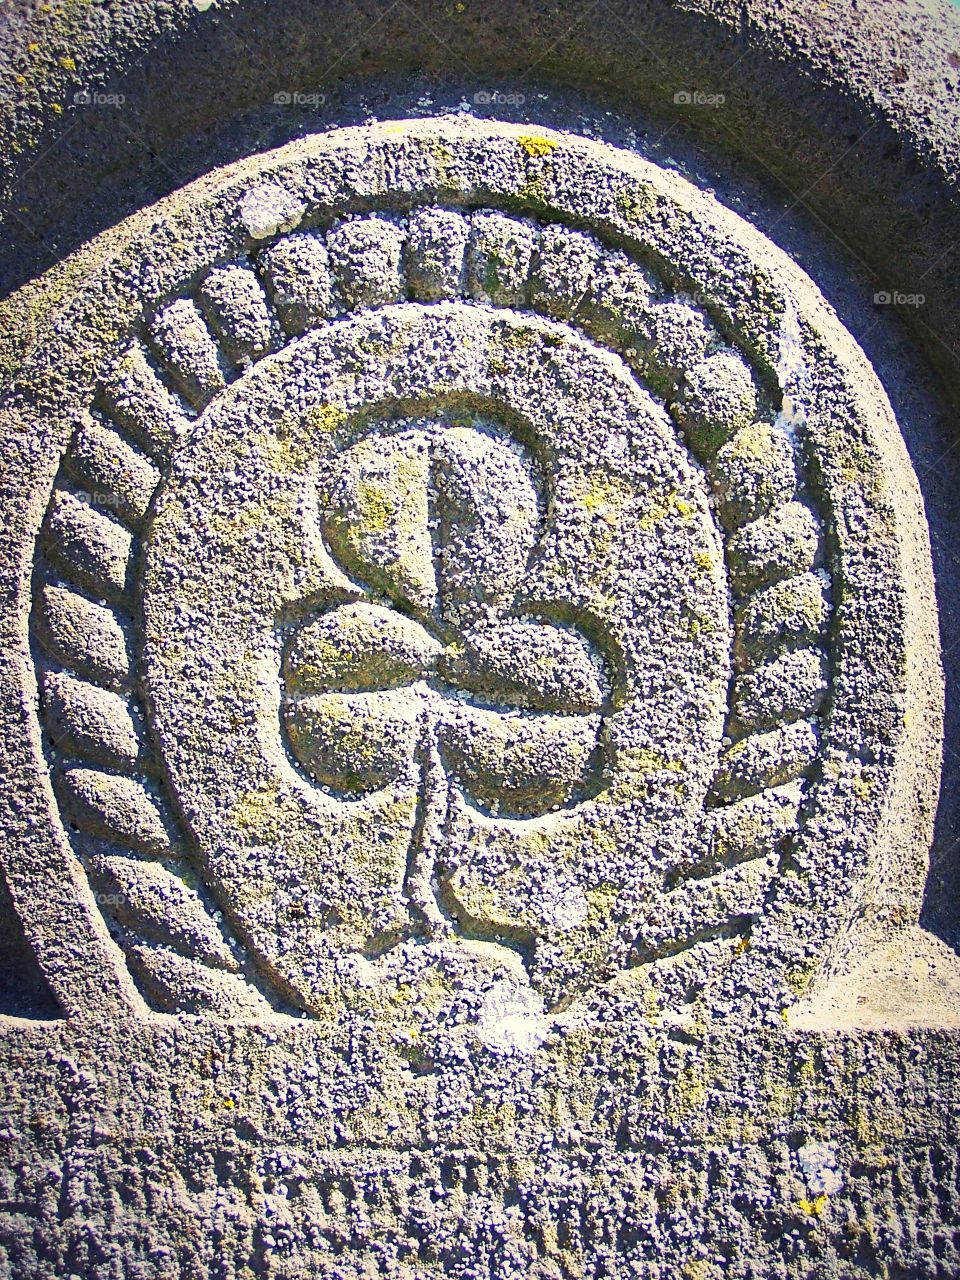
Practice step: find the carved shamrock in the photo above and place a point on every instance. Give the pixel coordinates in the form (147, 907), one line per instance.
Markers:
(429, 661)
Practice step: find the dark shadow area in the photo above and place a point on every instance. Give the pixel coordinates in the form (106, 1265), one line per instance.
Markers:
(23, 990)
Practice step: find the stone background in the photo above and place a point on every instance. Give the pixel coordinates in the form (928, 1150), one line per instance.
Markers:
(205, 1151)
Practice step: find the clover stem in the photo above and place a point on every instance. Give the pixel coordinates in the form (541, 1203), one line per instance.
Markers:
(432, 803)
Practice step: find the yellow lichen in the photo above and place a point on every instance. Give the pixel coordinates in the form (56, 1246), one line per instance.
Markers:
(698, 1269)
(604, 493)
(633, 205)
(285, 454)
(519, 339)
(798, 979)
(863, 788)
(754, 441)
(534, 191)
(535, 145)
(659, 511)
(376, 506)
(489, 903)
(690, 1091)
(257, 813)
(697, 625)
(815, 1207)
(494, 1122)
(601, 901)
(443, 159)
(647, 760)
(634, 767)
(230, 529)
(877, 1125)
(325, 417)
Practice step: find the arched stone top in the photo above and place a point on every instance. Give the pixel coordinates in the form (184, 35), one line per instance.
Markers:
(772, 767)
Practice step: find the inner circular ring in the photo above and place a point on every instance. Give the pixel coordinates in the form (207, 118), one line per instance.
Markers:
(243, 545)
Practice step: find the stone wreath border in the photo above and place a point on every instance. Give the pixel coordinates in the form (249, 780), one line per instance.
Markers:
(299, 264)
(240, 312)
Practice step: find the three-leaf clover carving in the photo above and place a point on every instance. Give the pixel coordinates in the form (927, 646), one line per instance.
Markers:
(437, 656)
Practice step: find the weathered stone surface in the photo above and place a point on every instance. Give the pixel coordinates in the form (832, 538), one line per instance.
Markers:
(504, 690)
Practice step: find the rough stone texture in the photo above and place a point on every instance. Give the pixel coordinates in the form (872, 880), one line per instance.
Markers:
(245, 1151)
(852, 107)
(490, 708)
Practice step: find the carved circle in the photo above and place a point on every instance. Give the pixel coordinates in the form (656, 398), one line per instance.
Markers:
(669, 469)
(244, 533)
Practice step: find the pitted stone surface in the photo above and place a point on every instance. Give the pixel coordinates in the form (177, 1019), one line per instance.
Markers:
(465, 523)
(476, 628)
(470, 656)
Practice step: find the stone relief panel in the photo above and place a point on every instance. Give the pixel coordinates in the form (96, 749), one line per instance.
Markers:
(477, 583)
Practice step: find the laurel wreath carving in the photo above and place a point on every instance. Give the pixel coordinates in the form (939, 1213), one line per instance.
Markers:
(109, 784)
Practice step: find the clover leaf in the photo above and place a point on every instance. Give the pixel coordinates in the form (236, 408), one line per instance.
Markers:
(429, 663)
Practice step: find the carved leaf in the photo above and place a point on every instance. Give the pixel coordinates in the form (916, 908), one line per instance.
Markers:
(180, 985)
(150, 898)
(116, 808)
(488, 512)
(525, 764)
(359, 647)
(91, 720)
(84, 636)
(354, 741)
(378, 522)
(527, 664)
(443, 519)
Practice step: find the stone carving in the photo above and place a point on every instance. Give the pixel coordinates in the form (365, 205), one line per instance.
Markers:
(443, 520)
(461, 596)
(510, 581)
